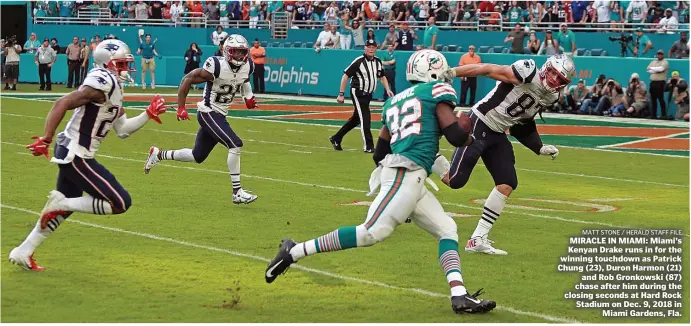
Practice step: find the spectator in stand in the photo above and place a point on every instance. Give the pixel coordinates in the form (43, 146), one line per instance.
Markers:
(223, 12)
(289, 7)
(219, 50)
(578, 13)
(368, 11)
(431, 32)
(358, 35)
(73, 63)
(536, 12)
(177, 9)
(679, 93)
(641, 41)
(156, 10)
(576, 96)
(258, 55)
(390, 38)
(300, 12)
(116, 8)
(397, 12)
(45, 58)
(669, 24)
(515, 13)
(148, 51)
(602, 9)
(84, 57)
(167, 14)
(218, 35)
(658, 76)
(469, 83)
(131, 9)
(553, 16)
(370, 35)
(595, 95)
(141, 12)
(193, 57)
(275, 6)
(323, 38)
(52, 9)
(254, 14)
(533, 44)
(40, 9)
(680, 48)
(636, 97)
(345, 31)
(636, 12)
(196, 12)
(66, 9)
(389, 63)
(616, 16)
(654, 14)
(442, 12)
(331, 13)
(245, 11)
(385, 10)
(334, 38)
(211, 11)
(567, 40)
(405, 38)
(32, 44)
(465, 10)
(54, 44)
(516, 37)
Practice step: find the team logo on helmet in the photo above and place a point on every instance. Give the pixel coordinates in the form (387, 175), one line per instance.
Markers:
(435, 62)
(112, 47)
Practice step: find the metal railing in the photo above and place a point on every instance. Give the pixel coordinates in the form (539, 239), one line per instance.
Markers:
(485, 21)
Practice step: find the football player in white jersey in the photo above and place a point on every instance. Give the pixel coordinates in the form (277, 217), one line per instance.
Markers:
(224, 77)
(97, 106)
(522, 91)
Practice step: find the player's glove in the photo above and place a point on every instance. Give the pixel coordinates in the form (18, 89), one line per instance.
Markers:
(40, 147)
(251, 103)
(182, 112)
(448, 75)
(549, 150)
(156, 107)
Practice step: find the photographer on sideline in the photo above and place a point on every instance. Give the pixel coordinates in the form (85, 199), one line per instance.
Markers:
(612, 99)
(45, 58)
(636, 96)
(678, 92)
(595, 95)
(11, 50)
(641, 41)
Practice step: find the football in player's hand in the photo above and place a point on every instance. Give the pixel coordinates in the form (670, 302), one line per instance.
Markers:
(464, 121)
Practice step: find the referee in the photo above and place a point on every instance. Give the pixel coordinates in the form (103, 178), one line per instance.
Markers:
(363, 73)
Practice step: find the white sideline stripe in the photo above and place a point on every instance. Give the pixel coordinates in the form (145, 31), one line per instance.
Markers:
(642, 140)
(548, 217)
(331, 127)
(301, 152)
(296, 266)
(23, 116)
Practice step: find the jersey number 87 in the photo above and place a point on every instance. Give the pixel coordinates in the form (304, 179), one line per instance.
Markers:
(403, 122)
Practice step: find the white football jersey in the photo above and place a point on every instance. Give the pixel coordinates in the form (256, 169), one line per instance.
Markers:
(507, 104)
(219, 93)
(90, 123)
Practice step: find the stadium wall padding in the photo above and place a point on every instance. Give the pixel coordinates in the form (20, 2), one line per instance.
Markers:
(173, 41)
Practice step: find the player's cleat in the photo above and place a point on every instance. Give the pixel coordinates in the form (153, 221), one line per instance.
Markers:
(281, 262)
(483, 245)
(470, 304)
(243, 197)
(51, 210)
(25, 260)
(152, 159)
(335, 144)
(369, 150)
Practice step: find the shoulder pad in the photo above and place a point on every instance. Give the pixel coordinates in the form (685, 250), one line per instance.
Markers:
(524, 70)
(102, 80)
(213, 66)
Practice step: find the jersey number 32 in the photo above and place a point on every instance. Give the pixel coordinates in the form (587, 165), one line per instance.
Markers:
(403, 121)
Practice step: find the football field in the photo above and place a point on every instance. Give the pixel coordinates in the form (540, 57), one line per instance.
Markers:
(185, 253)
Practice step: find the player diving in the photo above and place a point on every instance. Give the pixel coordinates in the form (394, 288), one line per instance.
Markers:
(224, 77)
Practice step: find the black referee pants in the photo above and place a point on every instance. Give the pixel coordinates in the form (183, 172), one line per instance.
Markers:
(361, 116)
(44, 76)
(657, 94)
(470, 84)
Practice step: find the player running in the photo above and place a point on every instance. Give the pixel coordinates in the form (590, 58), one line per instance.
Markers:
(522, 91)
(414, 120)
(224, 77)
(97, 108)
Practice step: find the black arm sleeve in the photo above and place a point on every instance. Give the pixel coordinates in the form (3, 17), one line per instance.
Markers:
(455, 135)
(526, 133)
(382, 149)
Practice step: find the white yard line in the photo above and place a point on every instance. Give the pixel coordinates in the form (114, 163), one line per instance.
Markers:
(296, 266)
(301, 152)
(642, 140)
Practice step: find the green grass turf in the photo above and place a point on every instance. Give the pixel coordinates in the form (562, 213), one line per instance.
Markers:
(98, 275)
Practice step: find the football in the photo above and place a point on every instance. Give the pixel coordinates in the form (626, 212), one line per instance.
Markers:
(463, 120)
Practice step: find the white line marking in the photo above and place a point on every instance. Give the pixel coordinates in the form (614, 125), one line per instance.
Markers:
(607, 200)
(301, 152)
(292, 130)
(22, 153)
(23, 116)
(248, 130)
(642, 140)
(296, 266)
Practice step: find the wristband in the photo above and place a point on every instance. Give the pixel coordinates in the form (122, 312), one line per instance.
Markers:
(341, 94)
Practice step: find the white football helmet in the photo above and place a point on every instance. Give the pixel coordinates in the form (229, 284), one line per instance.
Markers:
(236, 49)
(115, 56)
(557, 72)
(426, 66)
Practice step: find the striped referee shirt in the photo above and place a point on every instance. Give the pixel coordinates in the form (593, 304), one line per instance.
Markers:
(364, 73)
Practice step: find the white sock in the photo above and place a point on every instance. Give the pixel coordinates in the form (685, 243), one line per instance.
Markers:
(38, 235)
(459, 288)
(182, 155)
(490, 213)
(234, 167)
(303, 249)
(87, 204)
